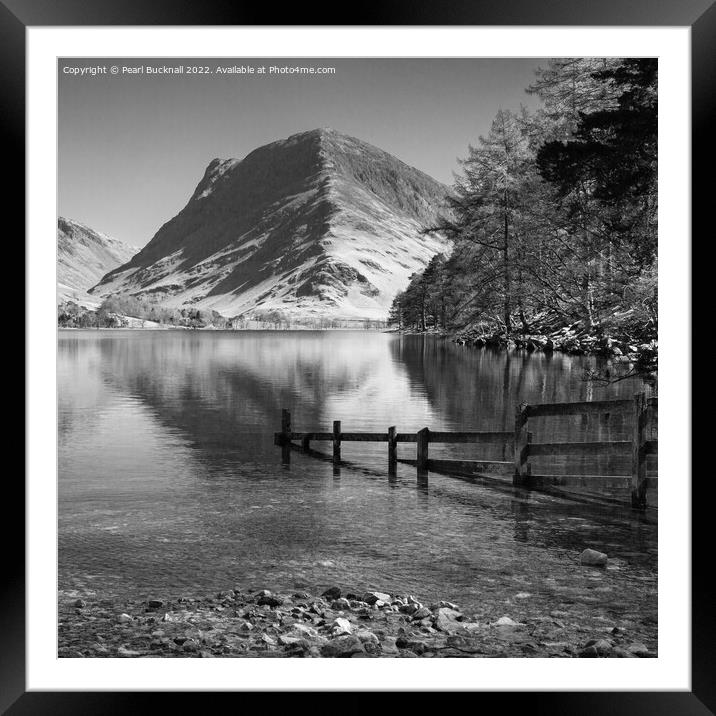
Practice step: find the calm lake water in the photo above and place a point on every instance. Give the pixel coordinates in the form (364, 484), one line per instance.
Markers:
(170, 483)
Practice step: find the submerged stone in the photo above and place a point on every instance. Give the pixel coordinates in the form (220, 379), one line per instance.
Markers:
(332, 593)
(506, 621)
(593, 558)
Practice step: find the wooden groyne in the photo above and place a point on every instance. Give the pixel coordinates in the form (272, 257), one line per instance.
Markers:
(518, 442)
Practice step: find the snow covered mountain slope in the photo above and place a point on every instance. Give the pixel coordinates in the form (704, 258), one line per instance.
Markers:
(83, 257)
(317, 225)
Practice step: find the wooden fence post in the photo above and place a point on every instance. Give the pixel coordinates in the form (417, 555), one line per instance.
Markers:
(521, 446)
(336, 441)
(285, 436)
(392, 450)
(638, 461)
(423, 440)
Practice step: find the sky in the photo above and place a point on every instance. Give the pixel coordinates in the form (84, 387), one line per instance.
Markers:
(133, 147)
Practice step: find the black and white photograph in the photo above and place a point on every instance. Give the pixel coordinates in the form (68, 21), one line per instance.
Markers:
(357, 357)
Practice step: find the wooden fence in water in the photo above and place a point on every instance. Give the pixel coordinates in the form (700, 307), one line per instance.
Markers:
(519, 442)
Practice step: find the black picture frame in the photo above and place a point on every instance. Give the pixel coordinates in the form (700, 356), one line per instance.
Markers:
(700, 15)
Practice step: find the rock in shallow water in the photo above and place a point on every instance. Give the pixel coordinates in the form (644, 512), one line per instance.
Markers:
(446, 619)
(341, 626)
(366, 636)
(389, 647)
(343, 646)
(417, 646)
(269, 600)
(506, 621)
(638, 649)
(421, 613)
(597, 647)
(373, 597)
(592, 558)
(305, 631)
(291, 640)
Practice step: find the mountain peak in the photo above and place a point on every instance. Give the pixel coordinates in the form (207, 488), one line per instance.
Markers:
(318, 223)
(317, 132)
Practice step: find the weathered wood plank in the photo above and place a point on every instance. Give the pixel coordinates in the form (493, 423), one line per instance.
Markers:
(365, 437)
(285, 421)
(345, 437)
(473, 467)
(651, 447)
(285, 440)
(423, 440)
(392, 450)
(406, 437)
(336, 441)
(521, 439)
(311, 436)
(584, 408)
(465, 437)
(588, 480)
(638, 466)
(615, 447)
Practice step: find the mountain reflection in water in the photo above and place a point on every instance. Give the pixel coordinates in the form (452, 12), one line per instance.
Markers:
(169, 481)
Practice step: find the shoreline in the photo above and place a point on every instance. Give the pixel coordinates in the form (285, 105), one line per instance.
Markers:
(564, 341)
(336, 624)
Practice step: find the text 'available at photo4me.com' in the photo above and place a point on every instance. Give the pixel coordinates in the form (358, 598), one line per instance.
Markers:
(184, 69)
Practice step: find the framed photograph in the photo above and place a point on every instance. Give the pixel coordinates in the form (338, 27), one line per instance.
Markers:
(343, 351)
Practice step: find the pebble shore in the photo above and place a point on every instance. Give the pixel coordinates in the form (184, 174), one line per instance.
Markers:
(262, 624)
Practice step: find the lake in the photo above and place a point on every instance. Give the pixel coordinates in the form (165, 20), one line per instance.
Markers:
(170, 482)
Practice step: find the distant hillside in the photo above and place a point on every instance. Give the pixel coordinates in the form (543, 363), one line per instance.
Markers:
(319, 224)
(83, 257)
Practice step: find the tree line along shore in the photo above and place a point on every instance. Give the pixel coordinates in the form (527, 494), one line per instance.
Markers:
(554, 222)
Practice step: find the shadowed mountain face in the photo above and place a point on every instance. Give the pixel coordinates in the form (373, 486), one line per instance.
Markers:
(83, 257)
(319, 224)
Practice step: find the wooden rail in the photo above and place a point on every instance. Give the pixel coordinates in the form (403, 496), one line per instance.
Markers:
(423, 438)
(638, 447)
(520, 440)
